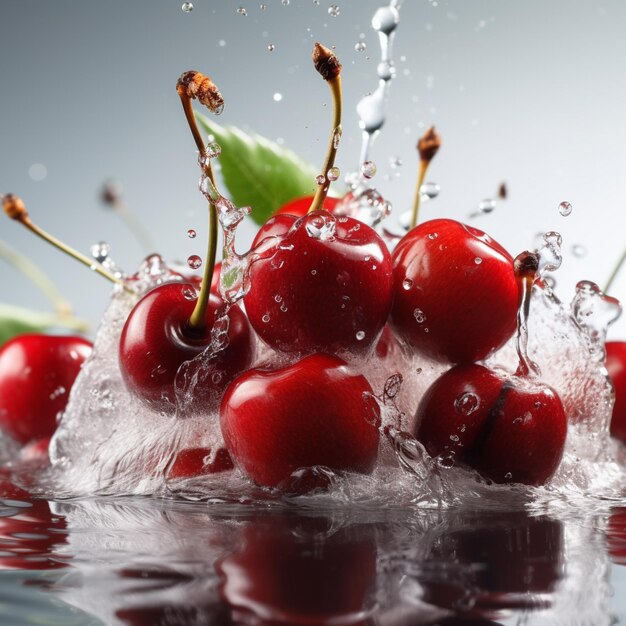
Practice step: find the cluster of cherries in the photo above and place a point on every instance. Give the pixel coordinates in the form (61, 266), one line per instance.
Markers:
(327, 295)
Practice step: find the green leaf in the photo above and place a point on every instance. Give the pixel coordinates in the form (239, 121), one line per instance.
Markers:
(258, 172)
(16, 320)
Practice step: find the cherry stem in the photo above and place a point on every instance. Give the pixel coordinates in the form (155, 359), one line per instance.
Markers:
(31, 271)
(327, 64)
(615, 272)
(526, 266)
(197, 136)
(418, 194)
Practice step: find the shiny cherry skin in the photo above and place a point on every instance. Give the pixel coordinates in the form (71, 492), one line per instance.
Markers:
(455, 293)
(315, 412)
(156, 341)
(616, 367)
(300, 206)
(311, 293)
(510, 430)
(36, 375)
(190, 462)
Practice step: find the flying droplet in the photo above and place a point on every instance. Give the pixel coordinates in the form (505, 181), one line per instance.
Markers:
(333, 10)
(271, 47)
(333, 174)
(487, 205)
(565, 208)
(395, 163)
(277, 97)
(285, 3)
(242, 11)
(100, 251)
(368, 169)
(419, 316)
(579, 251)
(187, 7)
(430, 190)
(360, 46)
(37, 172)
(194, 261)
(360, 335)
(191, 233)
(263, 7)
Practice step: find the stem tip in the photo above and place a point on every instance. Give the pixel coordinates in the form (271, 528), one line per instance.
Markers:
(14, 207)
(326, 63)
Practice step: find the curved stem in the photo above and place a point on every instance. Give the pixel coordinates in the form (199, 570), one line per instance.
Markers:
(322, 190)
(79, 256)
(24, 265)
(195, 131)
(418, 196)
(616, 270)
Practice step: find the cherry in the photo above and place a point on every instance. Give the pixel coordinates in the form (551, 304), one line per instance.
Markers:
(300, 570)
(300, 206)
(616, 367)
(36, 375)
(315, 412)
(157, 339)
(455, 292)
(320, 293)
(191, 462)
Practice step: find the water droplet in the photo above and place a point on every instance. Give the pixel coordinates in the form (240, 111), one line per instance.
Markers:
(277, 97)
(187, 7)
(265, 319)
(550, 257)
(213, 150)
(285, 3)
(550, 281)
(313, 272)
(579, 251)
(360, 335)
(242, 11)
(455, 438)
(37, 172)
(395, 163)
(221, 43)
(189, 293)
(433, 235)
(478, 260)
(278, 298)
(385, 20)
(263, 7)
(337, 137)
(466, 403)
(487, 205)
(565, 208)
(333, 174)
(191, 233)
(446, 461)
(271, 47)
(508, 476)
(368, 169)
(320, 180)
(194, 261)
(419, 316)
(430, 190)
(283, 307)
(100, 251)
(359, 46)
(407, 283)
(333, 10)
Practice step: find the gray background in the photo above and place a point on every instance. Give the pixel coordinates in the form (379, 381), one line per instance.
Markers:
(530, 92)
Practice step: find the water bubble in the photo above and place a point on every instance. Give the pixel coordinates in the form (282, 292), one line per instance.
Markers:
(407, 283)
(221, 43)
(385, 70)
(333, 10)
(189, 293)
(455, 438)
(466, 403)
(263, 7)
(194, 261)
(368, 169)
(278, 298)
(446, 461)
(320, 180)
(271, 47)
(430, 190)
(433, 235)
(37, 172)
(283, 307)
(360, 335)
(313, 272)
(242, 11)
(337, 137)
(100, 251)
(579, 251)
(359, 46)
(419, 316)
(277, 97)
(478, 260)
(213, 150)
(508, 476)
(285, 3)
(385, 20)
(395, 163)
(565, 208)
(321, 227)
(487, 205)
(191, 233)
(187, 7)
(333, 174)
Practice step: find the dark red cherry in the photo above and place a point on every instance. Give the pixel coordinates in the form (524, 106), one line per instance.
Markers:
(36, 375)
(323, 284)
(455, 293)
(199, 462)
(616, 367)
(300, 206)
(156, 341)
(316, 412)
(510, 430)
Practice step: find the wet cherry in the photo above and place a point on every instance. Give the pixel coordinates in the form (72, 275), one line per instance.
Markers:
(455, 293)
(36, 375)
(315, 412)
(616, 367)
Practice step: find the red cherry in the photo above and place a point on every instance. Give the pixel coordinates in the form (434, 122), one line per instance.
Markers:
(616, 367)
(300, 206)
(616, 536)
(510, 430)
(191, 462)
(320, 293)
(284, 570)
(314, 412)
(36, 375)
(156, 341)
(455, 293)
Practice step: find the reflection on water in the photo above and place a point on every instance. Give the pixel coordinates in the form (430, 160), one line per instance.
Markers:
(153, 562)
